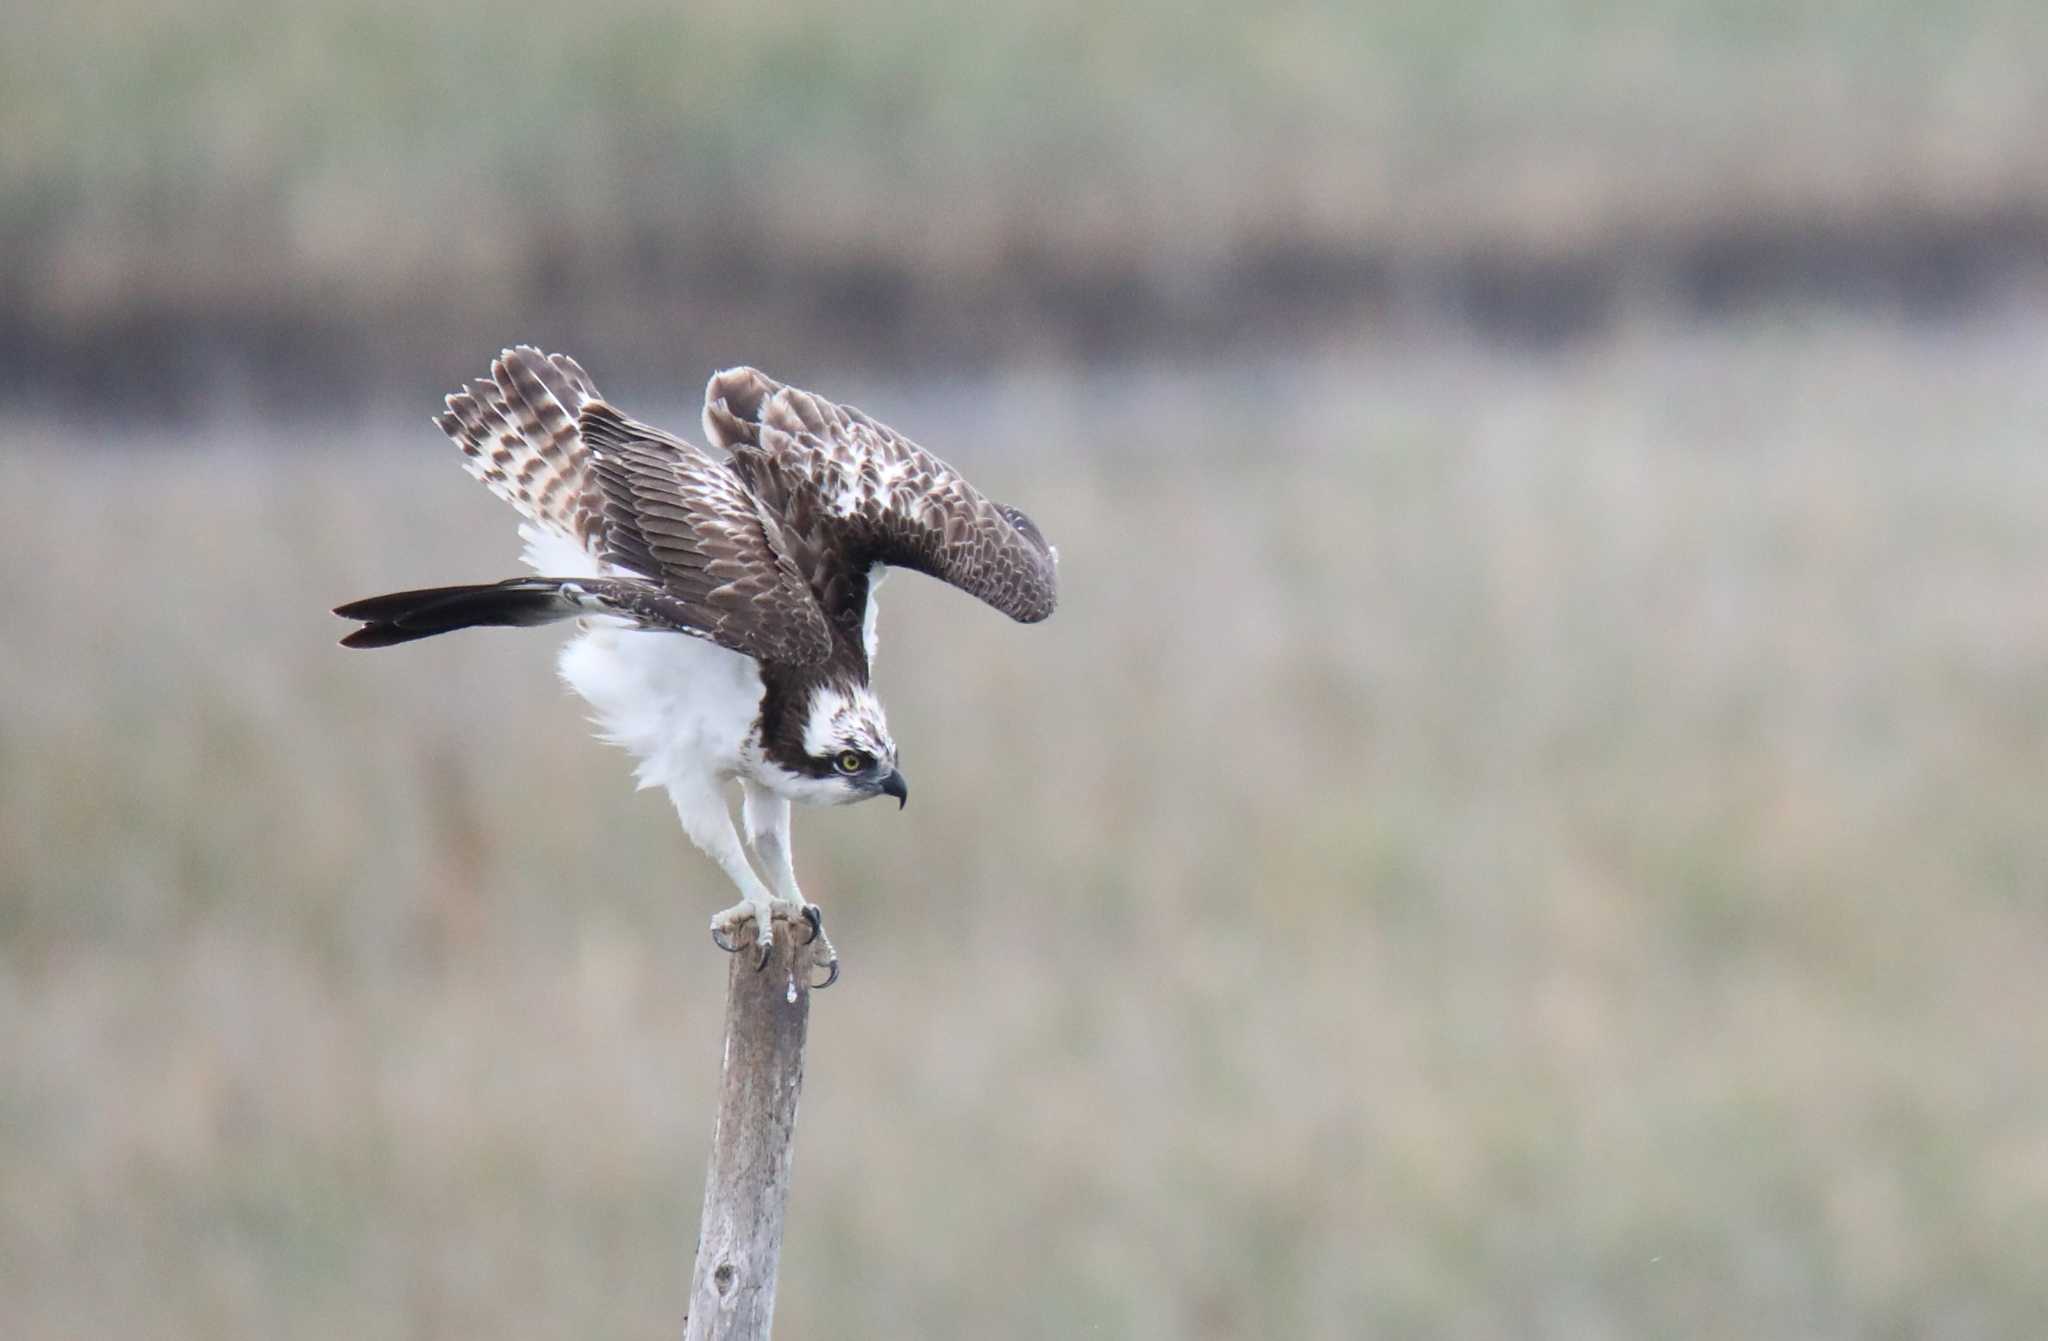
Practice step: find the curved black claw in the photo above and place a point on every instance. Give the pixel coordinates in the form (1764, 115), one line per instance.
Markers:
(831, 975)
(817, 921)
(719, 939)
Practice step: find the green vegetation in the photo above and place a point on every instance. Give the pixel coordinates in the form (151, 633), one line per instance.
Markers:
(371, 154)
(1485, 849)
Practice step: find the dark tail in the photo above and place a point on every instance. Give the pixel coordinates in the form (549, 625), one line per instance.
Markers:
(404, 616)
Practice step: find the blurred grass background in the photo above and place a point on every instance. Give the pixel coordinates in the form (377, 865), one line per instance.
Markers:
(1527, 822)
(303, 203)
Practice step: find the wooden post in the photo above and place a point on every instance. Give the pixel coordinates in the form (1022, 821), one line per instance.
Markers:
(739, 1245)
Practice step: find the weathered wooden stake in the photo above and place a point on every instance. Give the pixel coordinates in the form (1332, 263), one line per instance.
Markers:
(739, 1246)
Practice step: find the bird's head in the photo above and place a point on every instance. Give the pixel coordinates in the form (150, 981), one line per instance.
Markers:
(847, 750)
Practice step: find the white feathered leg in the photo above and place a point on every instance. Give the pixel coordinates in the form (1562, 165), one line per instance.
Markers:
(702, 809)
(766, 817)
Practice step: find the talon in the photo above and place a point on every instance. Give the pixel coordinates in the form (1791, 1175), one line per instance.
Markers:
(767, 948)
(831, 975)
(817, 921)
(718, 938)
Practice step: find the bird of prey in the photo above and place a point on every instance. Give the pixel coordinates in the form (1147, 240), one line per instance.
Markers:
(724, 600)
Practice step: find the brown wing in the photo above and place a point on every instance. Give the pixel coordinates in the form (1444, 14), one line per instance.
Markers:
(518, 434)
(671, 513)
(538, 433)
(850, 492)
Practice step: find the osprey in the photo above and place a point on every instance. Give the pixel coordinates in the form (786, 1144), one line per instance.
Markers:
(725, 602)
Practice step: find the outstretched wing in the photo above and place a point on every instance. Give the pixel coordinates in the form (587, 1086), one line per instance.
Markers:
(686, 521)
(517, 429)
(639, 504)
(850, 492)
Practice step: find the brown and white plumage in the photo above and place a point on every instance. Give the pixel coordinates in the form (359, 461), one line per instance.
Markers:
(762, 554)
(840, 481)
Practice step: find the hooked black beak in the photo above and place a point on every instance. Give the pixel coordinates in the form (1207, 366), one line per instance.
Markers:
(894, 785)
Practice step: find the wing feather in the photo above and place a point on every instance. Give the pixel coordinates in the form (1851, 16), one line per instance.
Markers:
(675, 515)
(852, 491)
(691, 547)
(517, 431)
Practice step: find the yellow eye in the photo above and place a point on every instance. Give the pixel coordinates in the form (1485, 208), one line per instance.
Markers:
(851, 761)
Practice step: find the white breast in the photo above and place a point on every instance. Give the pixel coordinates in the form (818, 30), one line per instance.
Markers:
(876, 572)
(684, 707)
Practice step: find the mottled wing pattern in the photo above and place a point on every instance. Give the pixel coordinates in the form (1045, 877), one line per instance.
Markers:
(517, 429)
(674, 515)
(689, 546)
(850, 491)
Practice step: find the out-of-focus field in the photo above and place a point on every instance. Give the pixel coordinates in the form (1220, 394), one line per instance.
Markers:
(210, 201)
(1485, 849)
(368, 130)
